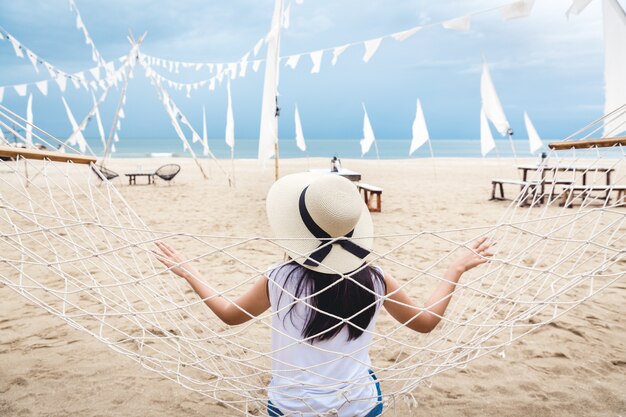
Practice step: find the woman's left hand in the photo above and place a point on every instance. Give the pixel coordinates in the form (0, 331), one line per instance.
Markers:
(478, 255)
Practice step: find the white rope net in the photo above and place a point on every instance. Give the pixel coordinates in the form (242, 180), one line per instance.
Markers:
(71, 244)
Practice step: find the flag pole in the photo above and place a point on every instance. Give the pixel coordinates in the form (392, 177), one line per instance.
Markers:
(276, 142)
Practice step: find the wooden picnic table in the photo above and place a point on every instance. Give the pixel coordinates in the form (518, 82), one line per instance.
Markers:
(132, 177)
(584, 169)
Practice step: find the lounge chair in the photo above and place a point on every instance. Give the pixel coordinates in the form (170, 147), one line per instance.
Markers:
(167, 172)
(104, 173)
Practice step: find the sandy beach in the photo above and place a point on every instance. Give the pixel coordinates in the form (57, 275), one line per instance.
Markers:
(575, 366)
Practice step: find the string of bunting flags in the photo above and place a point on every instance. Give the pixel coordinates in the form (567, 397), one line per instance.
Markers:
(88, 79)
(95, 54)
(513, 10)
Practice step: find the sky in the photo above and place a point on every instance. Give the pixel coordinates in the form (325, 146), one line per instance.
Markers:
(545, 64)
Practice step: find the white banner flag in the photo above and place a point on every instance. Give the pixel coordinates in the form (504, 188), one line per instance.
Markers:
(230, 121)
(77, 136)
(420, 131)
(368, 134)
(43, 87)
(95, 73)
(517, 9)
(371, 47)
(491, 102)
(292, 61)
(61, 81)
(1, 94)
(17, 47)
(533, 137)
(21, 89)
(316, 57)
(33, 60)
(487, 144)
(460, 23)
(577, 7)
(338, 51)
(257, 47)
(299, 135)
(404, 35)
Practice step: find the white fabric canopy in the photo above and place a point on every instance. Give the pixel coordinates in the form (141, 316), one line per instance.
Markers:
(268, 133)
(614, 65)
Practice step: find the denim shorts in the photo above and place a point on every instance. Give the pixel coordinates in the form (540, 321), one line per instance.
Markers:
(273, 411)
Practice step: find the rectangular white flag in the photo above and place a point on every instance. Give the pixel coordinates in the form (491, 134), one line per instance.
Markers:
(230, 121)
(420, 131)
(534, 140)
(299, 135)
(487, 144)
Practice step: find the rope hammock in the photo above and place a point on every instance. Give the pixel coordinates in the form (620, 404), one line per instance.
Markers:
(70, 243)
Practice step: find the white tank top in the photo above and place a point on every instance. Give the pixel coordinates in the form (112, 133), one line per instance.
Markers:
(319, 378)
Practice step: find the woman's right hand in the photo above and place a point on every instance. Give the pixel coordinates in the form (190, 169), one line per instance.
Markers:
(472, 258)
(174, 261)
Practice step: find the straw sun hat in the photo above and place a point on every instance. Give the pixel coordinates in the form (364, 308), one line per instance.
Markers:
(321, 221)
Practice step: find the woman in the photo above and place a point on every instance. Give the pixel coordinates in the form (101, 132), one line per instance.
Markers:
(325, 299)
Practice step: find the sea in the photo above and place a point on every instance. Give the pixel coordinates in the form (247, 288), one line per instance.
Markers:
(324, 148)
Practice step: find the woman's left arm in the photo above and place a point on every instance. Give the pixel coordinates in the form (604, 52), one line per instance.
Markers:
(254, 302)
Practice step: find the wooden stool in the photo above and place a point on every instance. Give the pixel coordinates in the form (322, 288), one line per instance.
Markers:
(372, 196)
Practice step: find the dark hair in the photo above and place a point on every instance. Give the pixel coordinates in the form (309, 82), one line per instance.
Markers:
(335, 296)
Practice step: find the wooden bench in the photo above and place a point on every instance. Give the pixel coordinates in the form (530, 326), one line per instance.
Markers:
(552, 184)
(529, 188)
(372, 196)
(584, 191)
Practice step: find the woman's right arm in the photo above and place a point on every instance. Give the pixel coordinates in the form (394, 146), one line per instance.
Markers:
(425, 319)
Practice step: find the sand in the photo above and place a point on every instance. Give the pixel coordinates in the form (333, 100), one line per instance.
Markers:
(574, 366)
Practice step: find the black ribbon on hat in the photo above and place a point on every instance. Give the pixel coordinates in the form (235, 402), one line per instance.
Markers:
(327, 242)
